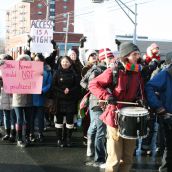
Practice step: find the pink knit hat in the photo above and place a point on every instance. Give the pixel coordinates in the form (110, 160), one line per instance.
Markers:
(103, 52)
(153, 46)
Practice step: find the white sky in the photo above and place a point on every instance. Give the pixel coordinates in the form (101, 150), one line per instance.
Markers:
(153, 18)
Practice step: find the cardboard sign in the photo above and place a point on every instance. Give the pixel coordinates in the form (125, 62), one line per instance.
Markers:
(42, 34)
(22, 77)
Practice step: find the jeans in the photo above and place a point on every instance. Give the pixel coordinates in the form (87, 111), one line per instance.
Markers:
(38, 112)
(1, 116)
(166, 165)
(23, 115)
(9, 119)
(96, 133)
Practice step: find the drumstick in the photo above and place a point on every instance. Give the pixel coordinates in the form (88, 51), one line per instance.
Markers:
(121, 102)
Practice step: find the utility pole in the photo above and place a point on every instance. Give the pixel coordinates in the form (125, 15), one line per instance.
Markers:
(67, 30)
(133, 21)
(135, 26)
(48, 10)
(134, 13)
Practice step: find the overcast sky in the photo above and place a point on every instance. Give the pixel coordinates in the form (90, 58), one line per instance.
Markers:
(154, 17)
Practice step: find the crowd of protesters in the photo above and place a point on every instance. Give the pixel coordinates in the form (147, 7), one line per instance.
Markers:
(100, 80)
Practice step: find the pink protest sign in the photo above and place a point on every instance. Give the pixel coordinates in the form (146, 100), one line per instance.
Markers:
(22, 77)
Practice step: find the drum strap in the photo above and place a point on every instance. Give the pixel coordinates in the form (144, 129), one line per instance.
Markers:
(115, 74)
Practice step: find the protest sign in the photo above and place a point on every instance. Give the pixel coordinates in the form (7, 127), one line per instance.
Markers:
(42, 34)
(22, 77)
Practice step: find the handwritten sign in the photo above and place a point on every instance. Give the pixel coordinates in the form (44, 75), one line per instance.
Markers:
(42, 34)
(22, 77)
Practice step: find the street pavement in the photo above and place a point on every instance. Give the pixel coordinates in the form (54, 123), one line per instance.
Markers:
(47, 157)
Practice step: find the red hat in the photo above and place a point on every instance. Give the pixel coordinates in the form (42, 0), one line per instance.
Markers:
(102, 54)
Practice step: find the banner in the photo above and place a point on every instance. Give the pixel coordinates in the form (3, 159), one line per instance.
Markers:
(42, 34)
(22, 77)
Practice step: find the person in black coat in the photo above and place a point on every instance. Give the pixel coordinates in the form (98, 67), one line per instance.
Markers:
(66, 93)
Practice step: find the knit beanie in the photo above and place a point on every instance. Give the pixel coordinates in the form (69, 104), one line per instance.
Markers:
(23, 57)
(105, 52)
(126, 48)
(5, 57)
(88, 53)
(168, 58)
(153, 46)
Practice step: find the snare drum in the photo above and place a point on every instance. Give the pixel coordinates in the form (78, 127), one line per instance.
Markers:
(133, 122)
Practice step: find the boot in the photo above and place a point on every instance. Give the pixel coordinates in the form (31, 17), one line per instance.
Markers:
(59, 137)
(90, 147)
(27, 137)
(7, 136)
(40, 137)
(64, 134)
(12, 136)
(69, 135)
(20, 142)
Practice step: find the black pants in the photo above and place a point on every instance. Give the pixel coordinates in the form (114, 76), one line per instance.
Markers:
(166, 165)
(69, 118)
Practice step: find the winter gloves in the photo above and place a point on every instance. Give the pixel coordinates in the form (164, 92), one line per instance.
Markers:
(54, 44)
(111, 100)
(82, 40)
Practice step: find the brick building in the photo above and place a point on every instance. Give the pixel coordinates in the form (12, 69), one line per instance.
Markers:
(18, 23)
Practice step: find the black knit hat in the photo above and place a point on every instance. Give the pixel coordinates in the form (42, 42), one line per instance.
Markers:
(126, 48)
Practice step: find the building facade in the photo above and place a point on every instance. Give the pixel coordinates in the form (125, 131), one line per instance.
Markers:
(18, 23)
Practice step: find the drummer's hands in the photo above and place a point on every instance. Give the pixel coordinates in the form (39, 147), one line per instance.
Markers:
(161, 111)
(111, 100)
(102, 105)
(141, 103)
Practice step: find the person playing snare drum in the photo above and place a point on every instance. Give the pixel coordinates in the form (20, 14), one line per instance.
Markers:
(129, 87)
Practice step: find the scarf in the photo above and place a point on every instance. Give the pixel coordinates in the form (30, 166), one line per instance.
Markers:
(133, 67)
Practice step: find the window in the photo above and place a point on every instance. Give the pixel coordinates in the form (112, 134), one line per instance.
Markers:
(64, 7)
(39, 13)
(52, 2)
(64, 29)
(52, 17)
(39, 5)
(52, 5)
(52, 9)
(65, 15)
(52, 13)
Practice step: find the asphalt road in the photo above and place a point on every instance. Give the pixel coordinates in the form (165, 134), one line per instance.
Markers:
(46, 157)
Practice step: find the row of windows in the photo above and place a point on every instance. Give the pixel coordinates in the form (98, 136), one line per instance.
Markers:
(51, 6)
(59, 0)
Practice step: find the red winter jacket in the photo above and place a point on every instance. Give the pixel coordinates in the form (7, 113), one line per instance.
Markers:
(128, 86)
(148, 59)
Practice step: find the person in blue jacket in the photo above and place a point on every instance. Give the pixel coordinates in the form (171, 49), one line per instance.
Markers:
(39, 99)
(159, 96)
